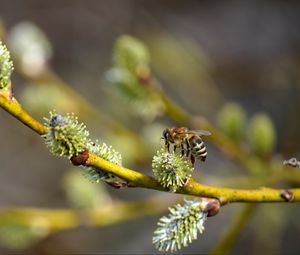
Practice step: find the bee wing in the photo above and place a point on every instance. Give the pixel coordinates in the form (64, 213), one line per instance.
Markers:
(198, 132)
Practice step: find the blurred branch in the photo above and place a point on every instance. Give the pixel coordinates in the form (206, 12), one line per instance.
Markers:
(63, 219)
(136, 179)
(235, 228)
(174, 111)
(285, 174)
(85, 106)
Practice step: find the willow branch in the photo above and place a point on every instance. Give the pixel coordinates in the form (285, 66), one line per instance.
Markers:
(136, 179)
(63, 219)
(225, 195)
(12, 106)
(287, 175)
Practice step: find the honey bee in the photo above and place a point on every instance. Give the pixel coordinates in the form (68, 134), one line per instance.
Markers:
(189, 142)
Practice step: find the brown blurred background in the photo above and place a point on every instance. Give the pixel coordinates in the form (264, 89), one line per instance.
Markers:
(205, 53)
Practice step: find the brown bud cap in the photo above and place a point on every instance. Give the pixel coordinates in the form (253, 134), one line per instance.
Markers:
(81, 158)
(287, 195)
(211, 206)
(117, 185)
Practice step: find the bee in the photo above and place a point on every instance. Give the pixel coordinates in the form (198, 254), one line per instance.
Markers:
(189, 142)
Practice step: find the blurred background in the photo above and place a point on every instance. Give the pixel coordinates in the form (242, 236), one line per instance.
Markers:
(204, 54)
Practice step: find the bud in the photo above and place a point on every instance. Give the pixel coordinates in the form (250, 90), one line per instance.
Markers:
(211, 206)
(231, 120)
(30, 46)
(123, 80)
(133, 55)
(262, 135)
(6, 66)
(137, 98)
(131, 75)
(287, 195)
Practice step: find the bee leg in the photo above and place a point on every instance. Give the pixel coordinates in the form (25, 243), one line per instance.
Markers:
(187, 149)
(175, 147)
(193, 160)
(167, 145)
(182, 149)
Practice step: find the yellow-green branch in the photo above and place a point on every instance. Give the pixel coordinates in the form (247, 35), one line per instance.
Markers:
(225, 195)
(136, 179)
(12, 106)
(63, 219)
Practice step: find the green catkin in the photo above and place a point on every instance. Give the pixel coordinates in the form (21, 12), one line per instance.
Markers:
(66, 136)
(171, 170)
(108, 153)
(6, 66)
(180, 227)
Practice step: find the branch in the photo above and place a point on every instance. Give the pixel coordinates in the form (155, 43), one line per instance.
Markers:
(12, 106)
(225, 195)
(63, 219)
(136, 179)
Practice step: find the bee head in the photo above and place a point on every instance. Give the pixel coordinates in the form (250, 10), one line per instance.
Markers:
(166, 134)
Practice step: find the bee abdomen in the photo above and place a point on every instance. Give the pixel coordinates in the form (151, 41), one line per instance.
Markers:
(198, 148)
